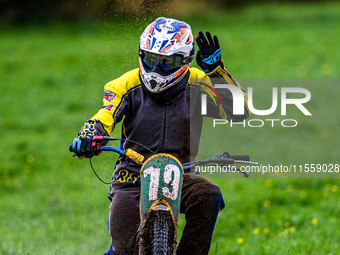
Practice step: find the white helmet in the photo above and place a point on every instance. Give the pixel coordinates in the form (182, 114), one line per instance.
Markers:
(165, 50)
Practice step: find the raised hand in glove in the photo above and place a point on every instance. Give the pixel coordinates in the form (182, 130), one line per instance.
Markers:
(208, 56)
(82, 147)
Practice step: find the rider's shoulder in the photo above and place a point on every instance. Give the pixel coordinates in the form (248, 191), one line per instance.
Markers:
(126, 82)
(196, 73)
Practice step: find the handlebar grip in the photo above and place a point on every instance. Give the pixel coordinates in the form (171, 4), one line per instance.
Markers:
(240, 157)
(70, 148)
(135, 156)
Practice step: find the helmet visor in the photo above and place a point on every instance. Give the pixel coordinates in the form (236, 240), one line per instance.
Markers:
(167, 63)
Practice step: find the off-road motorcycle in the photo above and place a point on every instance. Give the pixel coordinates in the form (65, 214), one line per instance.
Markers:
(161, 179)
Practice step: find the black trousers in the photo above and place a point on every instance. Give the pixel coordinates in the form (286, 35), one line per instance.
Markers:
(200, 202)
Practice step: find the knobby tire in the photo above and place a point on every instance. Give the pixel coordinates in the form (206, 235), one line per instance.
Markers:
(160, 236)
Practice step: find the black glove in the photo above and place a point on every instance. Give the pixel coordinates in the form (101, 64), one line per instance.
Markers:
(208, 56)
(82, 147)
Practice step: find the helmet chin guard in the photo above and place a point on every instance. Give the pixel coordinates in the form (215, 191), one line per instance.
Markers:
(165, 37)
(156, 82)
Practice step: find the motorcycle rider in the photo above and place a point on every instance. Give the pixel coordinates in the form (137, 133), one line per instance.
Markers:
(155, 104)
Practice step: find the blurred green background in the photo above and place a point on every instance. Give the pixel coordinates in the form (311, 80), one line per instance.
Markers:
(56, 57)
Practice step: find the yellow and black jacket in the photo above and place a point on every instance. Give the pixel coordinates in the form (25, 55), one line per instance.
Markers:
(162, 122)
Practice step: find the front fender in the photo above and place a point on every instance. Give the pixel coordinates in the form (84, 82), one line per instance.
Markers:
(161, 185)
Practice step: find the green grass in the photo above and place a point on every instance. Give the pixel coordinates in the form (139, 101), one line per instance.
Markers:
(52, 80)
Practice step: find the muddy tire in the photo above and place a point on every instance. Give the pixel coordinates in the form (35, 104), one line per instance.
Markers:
(160, 236)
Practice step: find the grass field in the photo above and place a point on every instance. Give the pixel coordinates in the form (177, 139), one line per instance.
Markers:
(52, 81)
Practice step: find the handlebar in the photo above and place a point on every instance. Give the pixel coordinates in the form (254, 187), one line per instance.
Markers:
(237, 157)
(224, 158)
(97, 148)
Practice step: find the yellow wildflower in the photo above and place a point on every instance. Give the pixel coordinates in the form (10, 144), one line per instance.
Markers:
(256, 231)
(334, 188)
(269, 183)
(267, 203)
(290, 188)
(286, 224)
(240, 240)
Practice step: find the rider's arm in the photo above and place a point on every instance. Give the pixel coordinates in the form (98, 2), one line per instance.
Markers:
(221, 76)
(219, 101)
(114, 106)
(208, 57)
